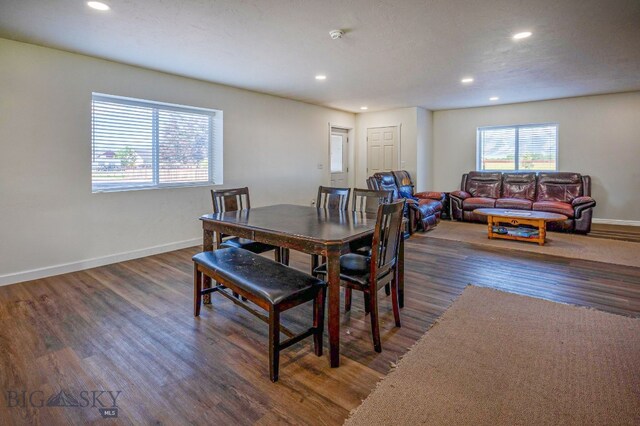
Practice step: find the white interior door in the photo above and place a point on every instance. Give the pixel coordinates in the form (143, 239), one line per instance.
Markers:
(339, 157)
(382, 149)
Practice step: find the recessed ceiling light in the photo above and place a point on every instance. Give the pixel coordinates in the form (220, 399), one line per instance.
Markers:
(364, 108)
(321, 77)
(522, 35)
(494, 98)
(98, 5)
(467, 80)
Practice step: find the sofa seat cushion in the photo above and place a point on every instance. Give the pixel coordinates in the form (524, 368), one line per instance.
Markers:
(478, 203)
(554, 207)
(429, 207)
(513, 203)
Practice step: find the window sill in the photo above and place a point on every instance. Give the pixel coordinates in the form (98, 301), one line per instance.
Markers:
(148, 187)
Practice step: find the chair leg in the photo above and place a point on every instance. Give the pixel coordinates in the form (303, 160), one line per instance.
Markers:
(367, 303)
(375, 327)
(395, 302)
(387, 289)
(274, 342)
(197, 290)
(315, 262)
(318, 320)
(347, 299)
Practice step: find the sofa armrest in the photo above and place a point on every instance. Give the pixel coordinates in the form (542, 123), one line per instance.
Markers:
(583, 200)
(461, 195)
(582, 204)
(430, 195)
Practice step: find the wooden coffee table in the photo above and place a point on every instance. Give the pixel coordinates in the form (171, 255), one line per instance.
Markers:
(516, 218)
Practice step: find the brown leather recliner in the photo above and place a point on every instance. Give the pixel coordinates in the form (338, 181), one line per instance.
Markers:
(423, 209)
(555, 192)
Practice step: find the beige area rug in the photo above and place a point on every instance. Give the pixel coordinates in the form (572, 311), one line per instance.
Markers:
(496, 358)
(558, 244)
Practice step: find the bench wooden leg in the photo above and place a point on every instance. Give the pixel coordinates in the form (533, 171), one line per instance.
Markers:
(197, 290)
(387, 289)
(367, 303)
(284, 256)
(318, 321)
(274, 343)
(347, 299)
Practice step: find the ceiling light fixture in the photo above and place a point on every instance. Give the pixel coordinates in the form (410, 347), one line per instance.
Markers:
(321, 77)
(466, 80)
(494, 98)
(364, 108)
(98, 6)
(520, 36)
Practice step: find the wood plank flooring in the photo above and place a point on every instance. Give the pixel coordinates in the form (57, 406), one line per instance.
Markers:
(616, 232)
(129, 327)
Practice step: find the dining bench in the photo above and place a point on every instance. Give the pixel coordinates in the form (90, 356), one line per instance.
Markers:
(266, 283)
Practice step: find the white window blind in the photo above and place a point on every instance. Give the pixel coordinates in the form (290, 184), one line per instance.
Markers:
(139, 144)
(518, 148)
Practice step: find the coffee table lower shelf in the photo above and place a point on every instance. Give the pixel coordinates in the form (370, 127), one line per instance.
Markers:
(514, 218)
(497, 221)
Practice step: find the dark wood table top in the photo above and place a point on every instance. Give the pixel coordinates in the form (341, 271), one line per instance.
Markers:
(308, 223)
(522, 214)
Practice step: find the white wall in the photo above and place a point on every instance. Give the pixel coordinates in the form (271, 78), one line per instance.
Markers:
(50, 220)
(424, 151)
(406, 118)
(597, 136)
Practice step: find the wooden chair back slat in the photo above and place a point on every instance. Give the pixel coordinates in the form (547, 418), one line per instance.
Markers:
(368, 200)
(333, 198)
(229, 200)
(386, 238)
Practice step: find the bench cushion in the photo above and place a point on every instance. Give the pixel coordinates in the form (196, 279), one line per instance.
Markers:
(262, 277)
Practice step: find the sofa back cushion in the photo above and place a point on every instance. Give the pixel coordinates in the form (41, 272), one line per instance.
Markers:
(519, 185)
(404, 182)
(559, 186)
(484, 184)
(386, 182)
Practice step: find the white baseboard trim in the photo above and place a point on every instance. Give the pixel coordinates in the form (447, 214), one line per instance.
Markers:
(617, 222)
(64, 268)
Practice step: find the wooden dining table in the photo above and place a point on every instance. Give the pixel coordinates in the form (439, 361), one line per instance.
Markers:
(310, 230)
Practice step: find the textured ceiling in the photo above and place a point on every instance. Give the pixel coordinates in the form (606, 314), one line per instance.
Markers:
(394, 54)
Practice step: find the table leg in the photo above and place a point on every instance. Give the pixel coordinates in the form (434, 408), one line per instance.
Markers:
(207, 245)
(490, 227)
(542, 232)
(333, 279)
(401, 273)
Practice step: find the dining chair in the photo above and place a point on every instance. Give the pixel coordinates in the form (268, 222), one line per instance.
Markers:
(227, 200)
(366, 201)
(331, 199)
(371, 273)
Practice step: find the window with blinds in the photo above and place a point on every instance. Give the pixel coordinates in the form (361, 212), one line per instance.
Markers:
(518, 148)
(138, 144)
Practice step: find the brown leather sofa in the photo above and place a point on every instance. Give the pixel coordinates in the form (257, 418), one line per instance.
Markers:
(423, 208)
(556, 192)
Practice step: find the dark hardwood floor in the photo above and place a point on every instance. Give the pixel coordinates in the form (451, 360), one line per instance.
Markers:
(129, 327)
